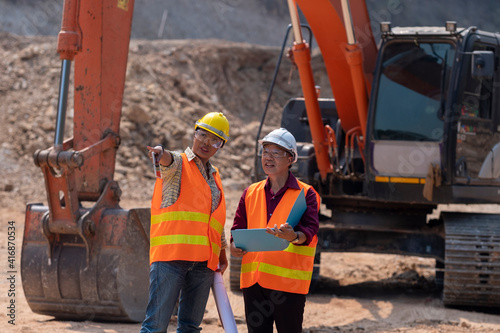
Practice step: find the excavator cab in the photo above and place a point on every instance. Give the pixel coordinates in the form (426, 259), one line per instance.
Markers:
(83, 256)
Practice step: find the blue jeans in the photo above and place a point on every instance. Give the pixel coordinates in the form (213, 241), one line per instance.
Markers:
(166, 280)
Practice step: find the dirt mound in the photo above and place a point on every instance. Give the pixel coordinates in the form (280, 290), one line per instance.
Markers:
(169, 85)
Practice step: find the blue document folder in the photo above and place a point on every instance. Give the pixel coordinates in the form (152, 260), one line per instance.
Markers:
(253, 240)
(257, 240)
(298, 209)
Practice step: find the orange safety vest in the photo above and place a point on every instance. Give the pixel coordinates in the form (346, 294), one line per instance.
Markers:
(289, 270)
(187, 230)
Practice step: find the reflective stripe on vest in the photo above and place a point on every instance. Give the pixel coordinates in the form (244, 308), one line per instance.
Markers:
(199, 217)
(289, 270)
(186, 230)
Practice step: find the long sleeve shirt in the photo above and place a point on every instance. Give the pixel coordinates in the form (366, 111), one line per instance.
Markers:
(309, 223)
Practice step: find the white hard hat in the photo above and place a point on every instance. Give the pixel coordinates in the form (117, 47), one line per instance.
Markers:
(281, 137)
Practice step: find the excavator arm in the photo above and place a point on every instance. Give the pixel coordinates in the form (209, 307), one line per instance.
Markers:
(326, 19)
(84, 257)
(349, 64)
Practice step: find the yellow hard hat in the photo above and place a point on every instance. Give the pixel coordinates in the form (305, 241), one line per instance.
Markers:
(216, 123)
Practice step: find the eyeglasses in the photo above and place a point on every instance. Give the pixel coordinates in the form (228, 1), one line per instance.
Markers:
(204, 136)
(275, 153)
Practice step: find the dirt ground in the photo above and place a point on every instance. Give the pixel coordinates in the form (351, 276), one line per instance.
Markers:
(357, 293)
(170, 84)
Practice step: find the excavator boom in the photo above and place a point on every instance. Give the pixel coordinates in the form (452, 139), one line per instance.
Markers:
(326, 21)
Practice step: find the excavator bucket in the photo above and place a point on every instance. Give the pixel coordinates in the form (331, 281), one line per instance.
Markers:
(104, 277)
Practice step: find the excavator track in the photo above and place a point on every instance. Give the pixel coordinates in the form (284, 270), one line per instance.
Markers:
(472, 260)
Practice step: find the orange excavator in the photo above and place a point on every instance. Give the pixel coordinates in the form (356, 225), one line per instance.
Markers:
(414, 125)
(83, 256)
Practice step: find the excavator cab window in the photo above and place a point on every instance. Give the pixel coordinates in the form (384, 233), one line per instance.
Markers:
(477, 156)
(477, 91)
(411, 91)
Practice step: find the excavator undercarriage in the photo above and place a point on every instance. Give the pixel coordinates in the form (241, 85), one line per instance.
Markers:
(472, 267)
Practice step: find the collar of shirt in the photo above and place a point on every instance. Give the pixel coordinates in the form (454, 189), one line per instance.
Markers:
(191, 156)
(291, 182)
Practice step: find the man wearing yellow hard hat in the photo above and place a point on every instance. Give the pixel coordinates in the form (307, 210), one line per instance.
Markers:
(188, 213)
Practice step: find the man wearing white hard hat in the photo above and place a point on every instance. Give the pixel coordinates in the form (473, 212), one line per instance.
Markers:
(275, 283)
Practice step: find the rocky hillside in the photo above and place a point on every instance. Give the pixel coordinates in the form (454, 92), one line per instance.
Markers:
(258, 21)
(234, 20)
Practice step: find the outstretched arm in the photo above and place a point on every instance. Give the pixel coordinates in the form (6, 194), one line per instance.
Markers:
(165, 156)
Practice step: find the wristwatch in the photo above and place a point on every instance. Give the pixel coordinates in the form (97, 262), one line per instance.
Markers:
(296, 240)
